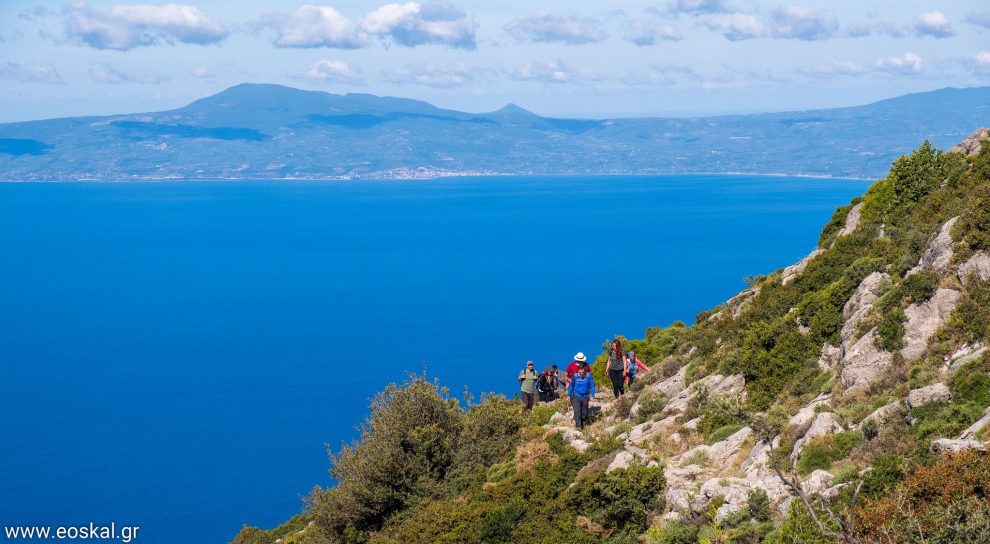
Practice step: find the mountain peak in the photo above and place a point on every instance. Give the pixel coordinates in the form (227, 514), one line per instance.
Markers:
(512, 110)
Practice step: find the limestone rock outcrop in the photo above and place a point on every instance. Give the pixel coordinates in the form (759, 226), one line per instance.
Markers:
(823, 424)
(939, 252)
(861, 303)
(791, 273)
(936, 392)
(978, 264)
(924, 318)
(864, 363)
(852, 220)
(972, 144)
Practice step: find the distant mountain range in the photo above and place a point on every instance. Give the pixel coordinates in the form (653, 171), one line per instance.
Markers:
(257, 131)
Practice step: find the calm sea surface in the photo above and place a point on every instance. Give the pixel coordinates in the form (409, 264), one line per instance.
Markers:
(175, 355)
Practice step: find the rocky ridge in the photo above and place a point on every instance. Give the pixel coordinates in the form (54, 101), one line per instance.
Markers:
(697, 474)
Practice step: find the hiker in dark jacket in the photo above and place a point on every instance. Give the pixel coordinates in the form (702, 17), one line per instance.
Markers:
(580, 391)
(527, 385)
(544, 386)
(616, 368)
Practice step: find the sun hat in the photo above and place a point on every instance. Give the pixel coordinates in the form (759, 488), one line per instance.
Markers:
(580, 357)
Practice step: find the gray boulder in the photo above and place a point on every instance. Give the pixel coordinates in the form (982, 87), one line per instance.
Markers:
(952, 444)
(924, 319)
(817, 482)
(852, 220)
(965, 354)
(792, 272)
(672, 385)
(939, 251)
(861, 303)
(824, 423)
(830, 358)
(978, 264)
(975, 428)
(622, 460)
(863, 363)
(936, 392)
(971, 145)
(682, 485)
(883, 414)
(807, 413)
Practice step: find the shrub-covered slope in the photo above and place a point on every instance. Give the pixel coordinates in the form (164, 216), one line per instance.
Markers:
(845, 398)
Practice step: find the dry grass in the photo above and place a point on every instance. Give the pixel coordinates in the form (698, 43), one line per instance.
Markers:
(529, 454)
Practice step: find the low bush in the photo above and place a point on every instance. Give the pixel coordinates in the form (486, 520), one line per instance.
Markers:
(945, 502)
(650, 403)
(673, 532)
(822, 451)
(620, 500)
(722, 433)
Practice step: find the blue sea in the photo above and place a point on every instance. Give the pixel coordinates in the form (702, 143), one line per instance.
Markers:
(176, 355)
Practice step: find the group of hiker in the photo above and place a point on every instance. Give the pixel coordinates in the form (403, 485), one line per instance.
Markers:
(577, 381)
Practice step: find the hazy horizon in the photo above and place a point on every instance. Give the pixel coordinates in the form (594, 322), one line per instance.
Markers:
(635, 58)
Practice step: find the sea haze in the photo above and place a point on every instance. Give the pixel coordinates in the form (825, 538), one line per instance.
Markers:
(175, 355)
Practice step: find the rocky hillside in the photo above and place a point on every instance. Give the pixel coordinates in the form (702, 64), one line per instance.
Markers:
(845, 398)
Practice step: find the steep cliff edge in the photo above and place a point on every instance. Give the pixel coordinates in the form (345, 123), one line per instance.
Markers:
(844, 398)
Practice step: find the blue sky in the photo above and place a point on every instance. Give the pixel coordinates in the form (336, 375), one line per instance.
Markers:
(591, 59)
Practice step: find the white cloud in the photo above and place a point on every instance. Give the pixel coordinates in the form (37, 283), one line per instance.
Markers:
(981, 62)
(413, 24)
(431, 76)
(935, 24)
(979, 19)
(908, 63)
(545, 27)
(836, 68)
(552, 72)
(29, 73)
(111, 75)
(332, 70)
(734, 26)
(801, 24)
(202, 72)
(795, 23)
(314, 26)
(409, 24)
(694, 7)
(649, 33)
(129, 26)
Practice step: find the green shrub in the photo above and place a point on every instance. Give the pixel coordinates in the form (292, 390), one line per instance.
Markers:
(919, 287)
(971, 383)
(722, 433)
(772, 355)
(497, 524)
(407, 445)
(673, 532)
(759, 505)
(822, 451)
(650, 403)
(888, 471)
(890, 330)
(490, 430)
(499, 472)
(621, 499)
(541, 413)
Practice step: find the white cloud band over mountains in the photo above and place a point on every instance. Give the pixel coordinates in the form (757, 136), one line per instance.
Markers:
(409, 24)
(129, 26)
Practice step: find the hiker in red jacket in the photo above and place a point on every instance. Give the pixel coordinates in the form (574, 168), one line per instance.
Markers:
(579, 361)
